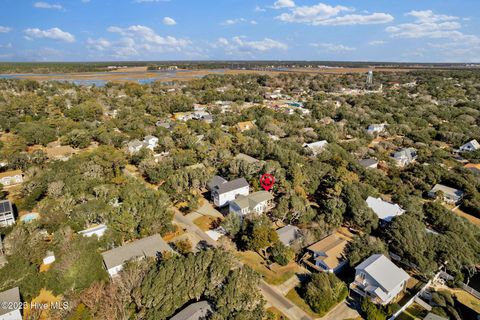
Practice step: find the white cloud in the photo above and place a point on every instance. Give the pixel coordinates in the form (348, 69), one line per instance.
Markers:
(136, 40)
(100, 44)
(426, 24)
(53, 33)
(6, 46)
(333, 47)
(169, 21)
(147, 35)
(376, 42)
(259, 9)
(5, 29)
(324, 14)
(454, 44)
(46, 5)
(239, 45)
(283, 4)
(230, 22)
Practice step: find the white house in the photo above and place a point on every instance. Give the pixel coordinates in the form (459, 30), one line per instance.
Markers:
(6, 213)
(376, 128)
(224, 191)
(379, 279)
(49, 258)
(257, 202)
(150, 142)
(10, 178)
(450, 195)
(405, 156)
(98, 230)
(11, 305)
(316, 147)
(470, 146)
(134, 146)
(114, 259)
(385, 211)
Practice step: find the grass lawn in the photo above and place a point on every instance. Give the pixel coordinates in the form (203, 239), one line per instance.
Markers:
(257, 263)
(293, 296)
(415, 311)
(277, 314)
(205, 222)
(169, 236)
(467, 299)
(467, 216)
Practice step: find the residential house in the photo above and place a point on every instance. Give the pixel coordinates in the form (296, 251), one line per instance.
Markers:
(10, 178)
(98, 230)
(370, 163)
(288, 234)
(164, 124)
(257, 202)
(10, 308)
(470, 146)
(49, 258)
(405, 156)
(245, 125)
(450, 195)
(223, 191)
(385, 211)
(379, 279)
(114, 259)
(134, 146)
(150, 142)
(195, 311)
(328, 253)
(6, 213)
(316, 147)
(376, 128)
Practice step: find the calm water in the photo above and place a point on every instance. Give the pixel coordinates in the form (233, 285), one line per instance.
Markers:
(160, 75)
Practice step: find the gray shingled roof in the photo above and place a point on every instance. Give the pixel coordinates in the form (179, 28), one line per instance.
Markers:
(288, 234)
(252, 199)
(10, 295)
(195, 311)
(146, 247)
(367, 162)
(222, 186)
(383, 271)
(452, 192)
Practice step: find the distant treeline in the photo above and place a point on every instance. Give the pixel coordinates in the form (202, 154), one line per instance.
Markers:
(67, 67)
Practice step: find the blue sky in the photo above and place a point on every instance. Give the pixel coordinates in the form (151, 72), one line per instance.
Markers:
(366, 30)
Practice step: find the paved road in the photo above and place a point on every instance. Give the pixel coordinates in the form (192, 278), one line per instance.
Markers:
(285, 306)
(344, 310)
(271, 295)
(178, 218)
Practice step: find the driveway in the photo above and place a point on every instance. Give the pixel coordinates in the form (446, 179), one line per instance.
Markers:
(207, 209)
(344, 310)
(285, 306)
(184, 222)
